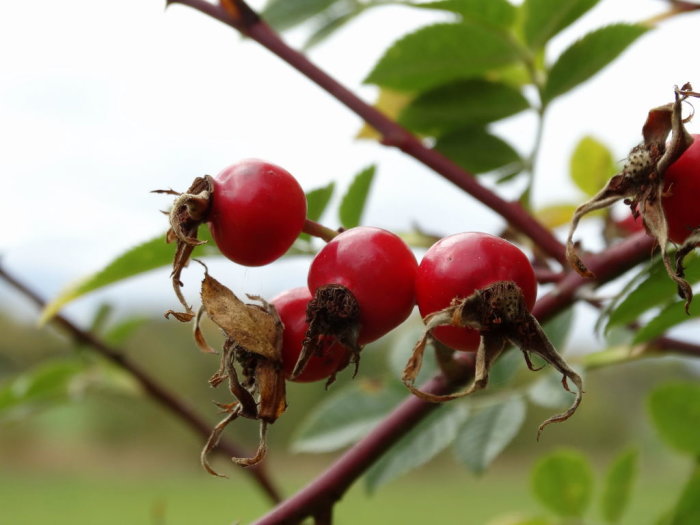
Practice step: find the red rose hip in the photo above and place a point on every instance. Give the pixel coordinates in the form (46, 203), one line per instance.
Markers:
(378, 269)
(457, 266)
(332, 357)
(681, 193)
(257, 211)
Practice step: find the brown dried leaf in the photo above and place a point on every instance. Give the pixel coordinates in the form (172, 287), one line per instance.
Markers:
(254, 328)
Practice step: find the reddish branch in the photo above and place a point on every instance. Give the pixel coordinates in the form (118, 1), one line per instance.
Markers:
(241, 17)
(157, 392)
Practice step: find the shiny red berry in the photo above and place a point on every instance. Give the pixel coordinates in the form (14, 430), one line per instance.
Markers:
(458, 265)
(257, 211)
(681, 191)
(291, 307)
(378, 269)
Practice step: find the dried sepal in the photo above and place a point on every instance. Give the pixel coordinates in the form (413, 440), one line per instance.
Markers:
(500, 314)
(333, 315)
(251, 362)
(186, 215)
(641, 182)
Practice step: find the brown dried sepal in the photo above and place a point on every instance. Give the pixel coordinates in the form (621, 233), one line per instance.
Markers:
(500, 313)
(333, 315)
(188, 212)
(253, 350)
(641, 182)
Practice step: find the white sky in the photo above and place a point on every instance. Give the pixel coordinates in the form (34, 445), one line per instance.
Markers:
(101, 102)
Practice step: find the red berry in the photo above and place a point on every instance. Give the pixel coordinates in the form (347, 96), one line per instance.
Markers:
(630, 224)
(379, 270)
(681, 189)
(291, 307)
(457, 266)
(257, 211)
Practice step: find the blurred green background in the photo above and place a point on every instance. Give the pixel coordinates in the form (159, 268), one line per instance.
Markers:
(107, 454)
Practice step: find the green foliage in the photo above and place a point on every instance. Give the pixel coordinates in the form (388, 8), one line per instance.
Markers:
(675, 412)
(591, 165)
(563, 482)
(431, 436)
(497, 13)
(687, 510)
(441, 53)
(478, 151)
(649, 290)
(465, 102)
(282, 14)
(353, 204)
(618, 486)
(316, 203)
(485, 434)
(588, 56)
(545, 18)
(345, 417)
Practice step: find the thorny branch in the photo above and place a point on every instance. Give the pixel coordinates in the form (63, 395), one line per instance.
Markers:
(155, 390)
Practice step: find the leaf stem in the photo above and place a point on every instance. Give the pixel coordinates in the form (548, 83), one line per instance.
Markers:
(316, 229)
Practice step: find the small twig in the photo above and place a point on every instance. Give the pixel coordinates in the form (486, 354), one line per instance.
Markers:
(318, 230)
(156, 391)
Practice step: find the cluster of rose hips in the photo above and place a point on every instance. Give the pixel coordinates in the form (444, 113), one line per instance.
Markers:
(257, 212)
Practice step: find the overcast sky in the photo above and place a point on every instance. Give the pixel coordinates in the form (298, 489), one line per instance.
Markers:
(101, 102)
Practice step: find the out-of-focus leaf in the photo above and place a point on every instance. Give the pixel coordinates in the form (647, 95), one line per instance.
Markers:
(119, 333)
(563, 482)
(669, 316)
(390, 103)
(520, 520)
(99, 320)
(46, 384)
(498, 13)
(612, 355)
(559, 327)
(474, 102)
(427, 439)
(556, 215)
(140, 259)
(618, 486)
(488, 432)
(650, 289)
(675, 412)
(345, 417)
(477, 151)
(355, 199)
(440, 53)
(548, 391)
(545, 18)
(283, 14)
(328, 26)
(402, 344)
(316, 203)
(591, 165)
(587, 56)
(687, 510)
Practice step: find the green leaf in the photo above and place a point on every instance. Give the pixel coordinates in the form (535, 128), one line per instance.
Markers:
(477, 151)
(498, 13)
(119, 333)
(545, 18)
(355, 199)
(488, 432)
(420, 445)
(548, 391)
(555, 215)
(687, 510)
(618, 486)
(140, 259)
(563, 482)
(316, 203)
(591, 165)
(441, 53)
(464, 103)
(587, 56)
(345, 417)
(675, 412)
(652, 288)
(671, 315)
(328, 26)
(402, 344)
(48, 383)
(283, 14)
